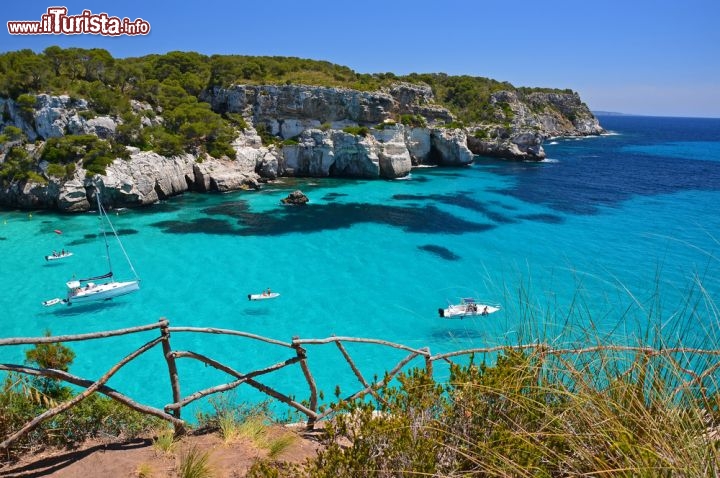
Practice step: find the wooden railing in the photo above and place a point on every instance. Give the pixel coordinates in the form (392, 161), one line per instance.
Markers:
(297, 355)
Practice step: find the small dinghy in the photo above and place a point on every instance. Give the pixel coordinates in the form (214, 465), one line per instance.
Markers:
(264, 295)
(50, 302)
(58, 255)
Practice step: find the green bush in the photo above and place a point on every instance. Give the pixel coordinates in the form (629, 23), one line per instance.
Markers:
(12, 133)
(265, 136)
(23, 397)
(18, 165)
(357, 130)
(416, 121)
(480, 134)
(237, 120)
(96, 154)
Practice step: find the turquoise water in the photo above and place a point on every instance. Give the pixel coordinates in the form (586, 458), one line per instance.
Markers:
(604, 239)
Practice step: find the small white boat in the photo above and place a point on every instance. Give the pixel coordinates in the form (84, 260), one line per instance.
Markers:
(468, 307)
(263, 296)
(50, 302)
(58, 255)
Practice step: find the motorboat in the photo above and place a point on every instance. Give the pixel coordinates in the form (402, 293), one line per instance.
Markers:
(468, 307)
(263, 295)
(58, 255)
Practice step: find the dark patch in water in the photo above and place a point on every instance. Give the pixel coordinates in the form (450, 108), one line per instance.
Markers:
(233, 209)
(90, 236)
(440, 251)
(332, 196)
(203, 225)
(460, 199)
(333, 216)
(548, 218)
(78, 242)
(3, 238)
(127, 232)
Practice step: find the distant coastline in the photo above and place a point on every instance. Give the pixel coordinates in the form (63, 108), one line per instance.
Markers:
(611, 113)
(617, 113)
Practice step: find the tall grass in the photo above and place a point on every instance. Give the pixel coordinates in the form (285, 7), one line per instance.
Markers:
(164, 441)
(194, 464)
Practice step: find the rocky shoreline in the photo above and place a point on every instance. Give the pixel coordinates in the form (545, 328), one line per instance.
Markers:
(319, 132)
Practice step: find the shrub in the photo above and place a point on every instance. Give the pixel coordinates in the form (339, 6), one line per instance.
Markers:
(87, 114)
(12, 133)
(26, 103)
(265, 136)
(23, 398)
(357, 130)
(416, 121)
(237, 120)
(480, 134)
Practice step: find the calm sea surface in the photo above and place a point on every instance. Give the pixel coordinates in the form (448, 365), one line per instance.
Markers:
(609, 238)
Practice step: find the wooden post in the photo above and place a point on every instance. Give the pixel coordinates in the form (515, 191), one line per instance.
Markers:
(302, 355)
(172, 370)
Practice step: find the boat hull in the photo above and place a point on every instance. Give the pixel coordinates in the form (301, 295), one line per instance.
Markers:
(460, 311)
(263, 296)
(98, 292)
(58, 256)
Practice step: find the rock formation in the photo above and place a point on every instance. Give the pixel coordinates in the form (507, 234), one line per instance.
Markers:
(320, 131)
(295, 198)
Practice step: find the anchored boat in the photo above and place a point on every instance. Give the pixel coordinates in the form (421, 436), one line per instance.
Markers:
(468, 307)
(88, 290)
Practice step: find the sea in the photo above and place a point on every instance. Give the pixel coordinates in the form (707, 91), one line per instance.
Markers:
(612, 239)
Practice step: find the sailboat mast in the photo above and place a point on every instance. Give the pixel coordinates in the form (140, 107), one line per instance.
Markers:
(102, 228)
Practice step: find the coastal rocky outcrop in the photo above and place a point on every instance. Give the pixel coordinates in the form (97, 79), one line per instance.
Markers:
(318, 131)
(295, 198)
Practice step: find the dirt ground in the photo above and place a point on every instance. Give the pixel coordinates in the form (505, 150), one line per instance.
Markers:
(140, 459)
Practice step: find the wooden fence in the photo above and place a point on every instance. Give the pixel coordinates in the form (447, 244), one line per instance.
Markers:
(297, 355)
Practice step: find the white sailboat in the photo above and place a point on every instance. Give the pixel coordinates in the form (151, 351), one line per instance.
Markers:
(88, 290)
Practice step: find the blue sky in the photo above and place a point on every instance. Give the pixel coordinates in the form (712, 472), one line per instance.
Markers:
(639, 56)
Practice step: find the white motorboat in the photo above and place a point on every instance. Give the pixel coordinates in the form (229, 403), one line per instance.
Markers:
(263, 296)
(88, 290)
(58, 255)
(468, 307)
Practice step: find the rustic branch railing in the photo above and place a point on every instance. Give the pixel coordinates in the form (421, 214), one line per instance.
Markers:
(298, 349)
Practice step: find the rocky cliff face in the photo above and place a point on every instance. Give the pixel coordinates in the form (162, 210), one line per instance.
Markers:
(290, 109)
(327, 131)
(525, 121)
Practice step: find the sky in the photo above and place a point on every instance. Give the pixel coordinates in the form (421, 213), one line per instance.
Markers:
(647, 57)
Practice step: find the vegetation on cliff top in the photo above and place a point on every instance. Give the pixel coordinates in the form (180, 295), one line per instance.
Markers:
(176, 79)
(172, 84)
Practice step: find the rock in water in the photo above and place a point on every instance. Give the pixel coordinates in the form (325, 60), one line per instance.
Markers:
(296, 198)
